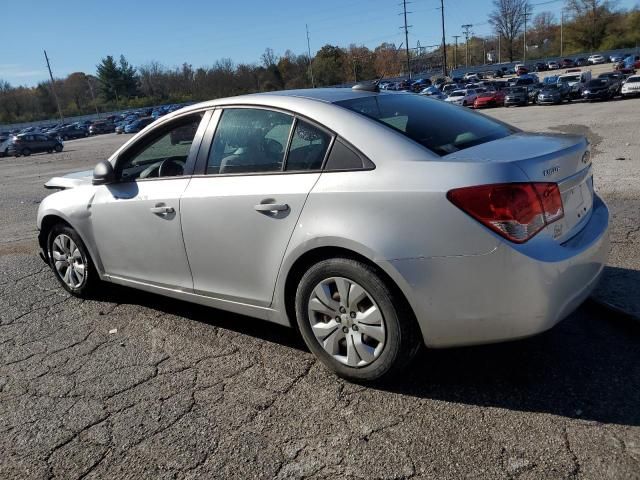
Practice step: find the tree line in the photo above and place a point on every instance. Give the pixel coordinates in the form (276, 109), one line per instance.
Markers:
(588, 25)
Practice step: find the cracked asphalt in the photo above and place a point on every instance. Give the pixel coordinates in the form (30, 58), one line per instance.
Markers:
(133, 385)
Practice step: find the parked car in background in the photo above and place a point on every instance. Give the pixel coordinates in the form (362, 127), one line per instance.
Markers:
(553, 65)
(28, 143)
(616, 78)
(516, 96)
(596, 59)
(599, 89)
(631, 86)
(99, 127)
(567, 63)
(522, 70)
(138, 124)
(616, 58)
(420, 84)
(553, 94)
(451, 87)
(581, 62)
(490, 98)
(433, 92)
(575, 81)
(464, 97)
(69, 132)
(4, 146)
(447, 228)
(4, 135)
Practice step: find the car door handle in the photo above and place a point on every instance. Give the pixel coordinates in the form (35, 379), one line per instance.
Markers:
(271, 207)
(162, 210)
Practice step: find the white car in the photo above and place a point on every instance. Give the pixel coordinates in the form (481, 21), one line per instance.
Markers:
(462, 97)
(433, 92)
(553, 65)
(596, 59)
(631, 86)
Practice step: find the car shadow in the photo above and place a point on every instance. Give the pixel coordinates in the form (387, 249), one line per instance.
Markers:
(587, 367)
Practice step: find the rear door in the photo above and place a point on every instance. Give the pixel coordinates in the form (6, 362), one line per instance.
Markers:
(238, 216)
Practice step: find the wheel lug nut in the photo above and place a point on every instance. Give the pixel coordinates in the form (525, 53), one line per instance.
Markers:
(345, 329)
(353, 314)
(338, 319)
(343, 310)
(355, 328)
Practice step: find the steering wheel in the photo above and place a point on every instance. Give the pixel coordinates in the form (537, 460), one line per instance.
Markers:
(171, 167)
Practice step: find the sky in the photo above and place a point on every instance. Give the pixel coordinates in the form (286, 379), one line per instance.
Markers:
(78, 33)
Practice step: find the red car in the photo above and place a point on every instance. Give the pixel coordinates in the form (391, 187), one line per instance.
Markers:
(494, 98)
(522, 71)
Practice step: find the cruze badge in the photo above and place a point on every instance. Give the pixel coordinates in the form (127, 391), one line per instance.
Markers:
(551, 171)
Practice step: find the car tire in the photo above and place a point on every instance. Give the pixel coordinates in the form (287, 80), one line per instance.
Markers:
(392, 337)
(65, 138)
(49, 151)
(58, 148)
(26, 152)
(78, 275)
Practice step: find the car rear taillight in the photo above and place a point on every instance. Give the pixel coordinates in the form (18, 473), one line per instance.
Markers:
(517, 211)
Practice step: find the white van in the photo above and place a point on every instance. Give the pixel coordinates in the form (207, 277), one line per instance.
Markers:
(576, 82)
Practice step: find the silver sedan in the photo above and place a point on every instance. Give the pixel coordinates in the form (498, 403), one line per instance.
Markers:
(375, 222)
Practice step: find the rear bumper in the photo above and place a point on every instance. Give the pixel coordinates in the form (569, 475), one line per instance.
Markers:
(509, 293)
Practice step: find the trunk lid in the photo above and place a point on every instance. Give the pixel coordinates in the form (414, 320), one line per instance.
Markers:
(562, 159)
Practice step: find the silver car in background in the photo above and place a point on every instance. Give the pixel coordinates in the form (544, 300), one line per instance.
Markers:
(375, 222)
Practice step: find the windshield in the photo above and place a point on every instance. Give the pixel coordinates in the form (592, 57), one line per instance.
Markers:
(441, 128)
(597, 83)
(458, 93)
(633, 80)
(516, 90)
(551, 87)
(572, 78)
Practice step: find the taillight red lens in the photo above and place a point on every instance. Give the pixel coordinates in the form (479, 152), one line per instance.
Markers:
(517, 211)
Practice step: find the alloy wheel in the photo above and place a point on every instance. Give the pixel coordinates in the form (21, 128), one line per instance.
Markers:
(68, 261)
(346, 321)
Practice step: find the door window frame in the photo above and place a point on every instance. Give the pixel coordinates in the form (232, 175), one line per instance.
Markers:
(158, 132)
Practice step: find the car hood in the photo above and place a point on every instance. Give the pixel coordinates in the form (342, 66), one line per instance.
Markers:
(71, 180)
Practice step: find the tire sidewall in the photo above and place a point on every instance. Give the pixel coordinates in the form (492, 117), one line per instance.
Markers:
(90, 277)
(366, 277)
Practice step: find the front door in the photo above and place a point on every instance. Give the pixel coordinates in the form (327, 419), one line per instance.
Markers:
(136, 221)
(238, 218)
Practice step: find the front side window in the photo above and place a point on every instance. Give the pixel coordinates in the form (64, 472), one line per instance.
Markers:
(437, 126)
(249, 140)
(161, 154)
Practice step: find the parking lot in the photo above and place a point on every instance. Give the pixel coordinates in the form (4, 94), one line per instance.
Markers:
(133, 385)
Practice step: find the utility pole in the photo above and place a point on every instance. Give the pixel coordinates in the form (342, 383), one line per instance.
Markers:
(313, 83)
(95, 104)
(484, 51)
(524, 53)
(561, 28)
(455, 52)
(444, 42)
(406, 35)
(467, 32)
(53, 88)
(499, 48)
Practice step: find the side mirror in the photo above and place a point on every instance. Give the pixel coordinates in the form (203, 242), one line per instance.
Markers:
(103, 173)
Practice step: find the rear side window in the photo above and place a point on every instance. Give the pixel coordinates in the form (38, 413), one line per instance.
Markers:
(308, 148)
(441, 128)
(249, 141)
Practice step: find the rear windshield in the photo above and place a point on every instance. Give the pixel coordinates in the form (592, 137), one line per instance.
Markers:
(600, 82)
(440, 127)
(633, 80)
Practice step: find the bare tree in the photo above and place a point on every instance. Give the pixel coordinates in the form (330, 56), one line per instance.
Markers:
(590, 19)
(508, 19)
